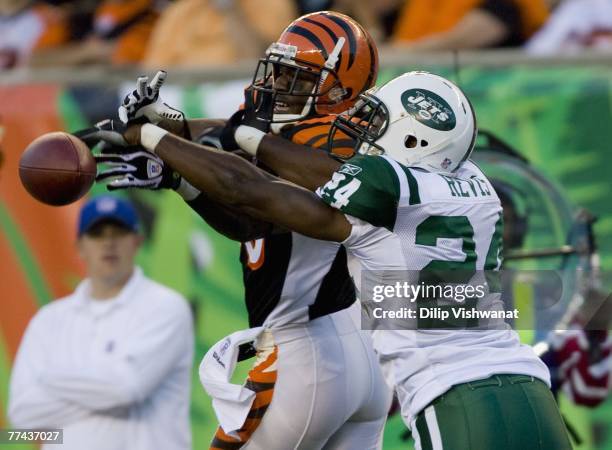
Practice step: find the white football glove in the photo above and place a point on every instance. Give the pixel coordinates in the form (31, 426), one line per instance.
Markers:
(144, 101)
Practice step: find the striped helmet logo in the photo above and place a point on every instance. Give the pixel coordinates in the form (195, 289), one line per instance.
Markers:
(317, 21)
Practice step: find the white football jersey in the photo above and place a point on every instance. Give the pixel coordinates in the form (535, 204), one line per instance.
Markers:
(408, 221)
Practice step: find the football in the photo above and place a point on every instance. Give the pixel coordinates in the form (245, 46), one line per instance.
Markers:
(57, 168)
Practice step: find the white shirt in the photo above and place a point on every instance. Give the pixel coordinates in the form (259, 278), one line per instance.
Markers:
(21, 32)
(114, 375)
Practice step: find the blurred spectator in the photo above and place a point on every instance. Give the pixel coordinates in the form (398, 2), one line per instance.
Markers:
(574, 25)
(310, 6)
(376, 17)
(117, 34)
(213, 32)
(461, 24)
(110, 364)
(128, 24)
(26, 26)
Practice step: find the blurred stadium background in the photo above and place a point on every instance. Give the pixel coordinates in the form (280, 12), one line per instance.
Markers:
(66, 65)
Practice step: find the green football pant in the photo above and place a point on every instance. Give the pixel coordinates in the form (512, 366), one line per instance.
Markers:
(502, 412)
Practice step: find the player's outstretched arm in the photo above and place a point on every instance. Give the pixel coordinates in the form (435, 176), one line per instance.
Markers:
(305, 166)
(197, 127)
(126, 167)
(229, 179)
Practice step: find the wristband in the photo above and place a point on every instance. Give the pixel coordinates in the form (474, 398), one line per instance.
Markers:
(248, 138)
(150, 135)
(186, 190)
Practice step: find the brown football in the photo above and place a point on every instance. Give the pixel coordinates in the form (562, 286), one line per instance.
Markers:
(57, 168)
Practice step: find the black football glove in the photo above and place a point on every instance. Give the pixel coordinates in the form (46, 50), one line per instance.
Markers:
(257, 113)
(108, 131)
(134, 167)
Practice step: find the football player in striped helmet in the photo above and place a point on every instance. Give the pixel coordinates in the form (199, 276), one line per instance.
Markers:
(316, 379)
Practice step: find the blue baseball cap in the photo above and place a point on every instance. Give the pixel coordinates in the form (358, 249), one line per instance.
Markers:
(107, 208)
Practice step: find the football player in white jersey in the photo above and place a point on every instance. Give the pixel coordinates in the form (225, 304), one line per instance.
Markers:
(412, 201)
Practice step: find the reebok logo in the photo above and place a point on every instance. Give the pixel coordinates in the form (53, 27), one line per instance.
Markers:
(350, 169)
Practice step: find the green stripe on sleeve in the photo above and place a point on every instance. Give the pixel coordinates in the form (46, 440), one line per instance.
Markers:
(415, 198)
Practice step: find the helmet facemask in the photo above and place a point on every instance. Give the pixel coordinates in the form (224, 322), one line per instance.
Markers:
(298, 87)
(366, 123)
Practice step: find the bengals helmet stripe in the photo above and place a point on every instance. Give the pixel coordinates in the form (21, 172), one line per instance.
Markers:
(329, 31)
(307, 34)
(350, 35)
(332, 35)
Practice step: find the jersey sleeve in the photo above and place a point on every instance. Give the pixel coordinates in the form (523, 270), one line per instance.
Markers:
(314, 133)
(365, 187)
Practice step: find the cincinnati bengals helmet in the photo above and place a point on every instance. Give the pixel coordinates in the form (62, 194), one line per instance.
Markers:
(326, 58)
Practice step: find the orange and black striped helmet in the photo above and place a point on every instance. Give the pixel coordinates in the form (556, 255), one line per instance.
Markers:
(328, 48)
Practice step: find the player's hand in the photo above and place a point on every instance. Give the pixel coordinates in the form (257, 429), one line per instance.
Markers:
(107, 130)
(258, 109)
(134, 166)
(257, 113)
(144, 102)
(580, 363)
(227, 138)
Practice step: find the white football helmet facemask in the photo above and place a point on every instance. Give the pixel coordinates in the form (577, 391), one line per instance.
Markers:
(418, 119)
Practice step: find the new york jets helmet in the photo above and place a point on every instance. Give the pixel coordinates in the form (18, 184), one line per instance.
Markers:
(418, 119)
